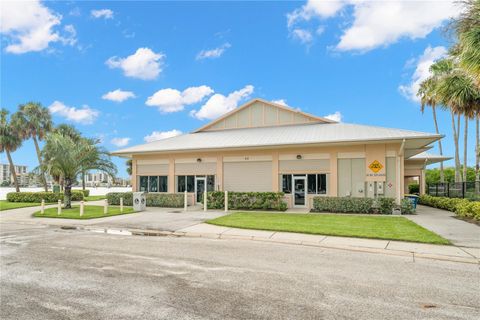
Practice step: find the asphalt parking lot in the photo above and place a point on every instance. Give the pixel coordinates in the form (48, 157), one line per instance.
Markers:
(50, 273)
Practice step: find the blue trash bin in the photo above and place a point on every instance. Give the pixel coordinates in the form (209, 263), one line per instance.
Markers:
(413, 199)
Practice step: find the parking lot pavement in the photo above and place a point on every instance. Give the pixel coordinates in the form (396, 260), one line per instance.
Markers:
(49, 273)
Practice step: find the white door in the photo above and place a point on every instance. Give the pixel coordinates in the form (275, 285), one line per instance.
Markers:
(200, 185)
(299, 192)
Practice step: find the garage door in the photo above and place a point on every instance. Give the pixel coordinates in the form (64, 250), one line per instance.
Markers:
(245, 176)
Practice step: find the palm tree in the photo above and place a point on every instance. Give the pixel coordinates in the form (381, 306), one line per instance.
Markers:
(426, 93)
(35, 121)
(71, 158)
(10, 141)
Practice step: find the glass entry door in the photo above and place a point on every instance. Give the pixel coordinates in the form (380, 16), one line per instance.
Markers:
(199, 188)
(299, 190)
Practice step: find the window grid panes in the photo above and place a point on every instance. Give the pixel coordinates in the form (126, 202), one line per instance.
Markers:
(153, 183)
(316, 183)
(188, 183)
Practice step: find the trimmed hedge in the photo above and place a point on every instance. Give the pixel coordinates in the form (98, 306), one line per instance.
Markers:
(461, 207)
(406, 206)
(414, 188)
(86, 192)
(384, 205)
(38, 196)
(343, 205)
(166, 200)
(247, 200)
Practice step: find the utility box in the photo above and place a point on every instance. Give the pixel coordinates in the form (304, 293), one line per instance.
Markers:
(139, 201)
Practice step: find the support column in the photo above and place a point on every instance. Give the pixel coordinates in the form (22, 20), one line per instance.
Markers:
(275, 183)
(134, 178)
(171, 175)
(422, 182)
(333, 177)
(219, 180)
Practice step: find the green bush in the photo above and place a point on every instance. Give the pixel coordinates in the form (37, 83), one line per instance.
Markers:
(247, 200)
(414, 188)
(36, 197)
(461, 207)
(113, 198)
(385, 205)
(406, 206)
(86, 192)
(342, 205)
(166, 200)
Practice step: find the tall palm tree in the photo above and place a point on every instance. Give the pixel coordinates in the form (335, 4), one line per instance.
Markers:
(35, 121)
(70, 158)
(10, 141)
(426, 93)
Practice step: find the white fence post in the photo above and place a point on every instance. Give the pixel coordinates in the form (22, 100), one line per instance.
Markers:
(185, 201)
(82, 204)
(105, 206)
(59, 207)
(226, 201)
(42, 210)
(121, 204)
(205, 200)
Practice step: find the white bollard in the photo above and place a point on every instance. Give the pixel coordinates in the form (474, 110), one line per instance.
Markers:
(205, 200)
(185, 201)
(226, 201)
(82, 204)
(121, 204)
(42, 210)
(105, 206)
(59, 207)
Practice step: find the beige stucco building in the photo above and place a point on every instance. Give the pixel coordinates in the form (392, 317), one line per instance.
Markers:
(264, 146)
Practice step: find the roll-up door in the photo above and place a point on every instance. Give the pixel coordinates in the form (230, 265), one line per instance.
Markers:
(302, 166)
(197, 168)
(245, 176)
(152, 169)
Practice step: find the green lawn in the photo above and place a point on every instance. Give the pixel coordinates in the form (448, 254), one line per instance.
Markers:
(6, 205)
(94, 198)
(91, 212)
(375, 227)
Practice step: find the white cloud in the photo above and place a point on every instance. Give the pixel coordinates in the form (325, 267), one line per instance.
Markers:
(120, 142)
(30, 26)
(118, 95)
(172, 100)
(336, 116)
(102, 13)
(213, 53)
(303, 35)
(219, 104)
(159, 135)
(422, 71)
(143, 64)
(83, 115)
(377, 23)
(282, 102)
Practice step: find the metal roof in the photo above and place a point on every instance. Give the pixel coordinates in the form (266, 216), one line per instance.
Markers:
(429, 158)
(304, 134)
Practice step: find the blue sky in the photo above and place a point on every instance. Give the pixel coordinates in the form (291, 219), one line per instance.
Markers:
(128, 72)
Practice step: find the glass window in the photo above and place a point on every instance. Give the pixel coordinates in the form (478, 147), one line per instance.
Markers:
(153, 184)
(321, 183)
(312, 183)
(210, 183)
(163, 184)
(190, 183)
(143, 183)
(287, 183)
(180, 183)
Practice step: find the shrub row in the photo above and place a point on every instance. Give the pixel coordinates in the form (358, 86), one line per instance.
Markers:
(86, 192)
(359, 205)
(38, 196)
(247, 200)
(167, 200)
(461, 207)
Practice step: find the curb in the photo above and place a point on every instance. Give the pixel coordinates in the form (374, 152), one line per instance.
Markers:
(161, 233)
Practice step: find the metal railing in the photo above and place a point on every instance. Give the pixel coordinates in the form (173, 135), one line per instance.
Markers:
(467, 190)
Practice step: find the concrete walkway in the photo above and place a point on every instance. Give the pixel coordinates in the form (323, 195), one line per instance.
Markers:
(444, 223)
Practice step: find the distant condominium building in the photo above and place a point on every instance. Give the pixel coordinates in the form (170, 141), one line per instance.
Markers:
(20, 170)
(98, 179)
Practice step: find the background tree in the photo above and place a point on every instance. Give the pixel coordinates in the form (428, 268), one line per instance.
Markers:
(128, 163)
(70, 158)
(10, 141)
(35, 122)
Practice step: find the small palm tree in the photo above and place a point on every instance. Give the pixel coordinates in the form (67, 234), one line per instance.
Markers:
(10, 141)
(35, 121)
(70, 158)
